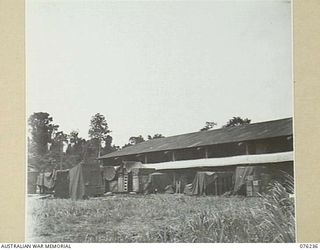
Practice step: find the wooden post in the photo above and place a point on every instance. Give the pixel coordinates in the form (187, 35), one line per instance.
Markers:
(173, 156)
(222, 185)
(205, 152)
(216, 186)
(145, 159)
(247, 148)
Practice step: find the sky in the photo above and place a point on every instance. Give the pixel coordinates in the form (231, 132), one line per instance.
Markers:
(158, 66)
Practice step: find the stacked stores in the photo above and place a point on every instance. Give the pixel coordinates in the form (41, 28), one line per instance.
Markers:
(129, 177)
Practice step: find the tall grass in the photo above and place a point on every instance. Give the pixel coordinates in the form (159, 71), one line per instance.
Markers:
(164, 218)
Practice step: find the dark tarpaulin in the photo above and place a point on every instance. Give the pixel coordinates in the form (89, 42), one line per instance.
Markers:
(93, 179)
(158, 182)
(61, 184)
(200, 183)
(76, 186)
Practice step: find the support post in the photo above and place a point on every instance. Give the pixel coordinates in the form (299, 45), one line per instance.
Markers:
(145, 159)
(247, 148)
(216, 187)
(205, 152)
(173, 156)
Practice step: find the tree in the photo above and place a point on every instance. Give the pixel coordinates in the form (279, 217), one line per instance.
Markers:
(236, 121)
(75, 150)
(108, 147)
(156, 136)
(76, 144)
(74, 137)
(209, 125)
(42, 129)
(99, 130)
(126, 145)
(56, 149)
(133, 140)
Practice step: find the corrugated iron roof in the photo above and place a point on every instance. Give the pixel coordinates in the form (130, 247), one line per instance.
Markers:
(254, 131)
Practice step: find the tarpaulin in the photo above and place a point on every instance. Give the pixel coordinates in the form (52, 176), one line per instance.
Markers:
(241, 175)
(262, 173)
(109, 173)
(61, 184)
(113, 186)
(93, 180)
(200, 183)
(76, 185)
(130, 165)
(143, 183)
(158, 182)
(140, 178)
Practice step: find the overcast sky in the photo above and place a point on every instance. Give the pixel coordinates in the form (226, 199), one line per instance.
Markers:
(158, 67)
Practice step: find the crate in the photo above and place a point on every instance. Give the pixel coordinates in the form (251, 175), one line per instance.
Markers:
(135, 183)
(125, 183)
(249, 188)
(256, 187)
(120, 183)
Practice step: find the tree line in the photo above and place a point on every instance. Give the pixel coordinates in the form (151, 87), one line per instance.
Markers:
(233, 122)
(50, 148)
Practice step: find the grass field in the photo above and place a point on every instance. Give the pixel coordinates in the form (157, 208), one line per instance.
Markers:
(161, 218)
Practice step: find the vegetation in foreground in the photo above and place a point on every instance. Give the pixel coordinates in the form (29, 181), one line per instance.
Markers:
(163, 218)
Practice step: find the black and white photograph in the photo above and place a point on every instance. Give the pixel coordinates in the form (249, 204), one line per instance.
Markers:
(159, 121)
